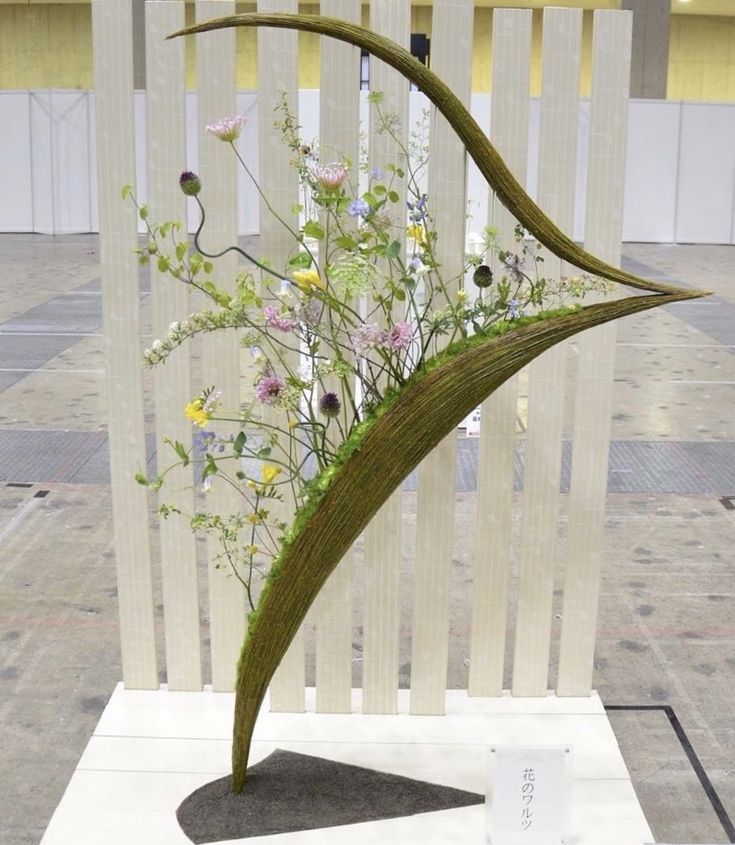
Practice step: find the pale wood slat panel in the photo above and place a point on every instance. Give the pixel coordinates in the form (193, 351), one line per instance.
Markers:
(277, 73)
(603, 234)
(113, 81)
(166, 122)
(562, 35)
(381, 619)
(215, 57)
(451, 59)
(339, 117)
(509, 132)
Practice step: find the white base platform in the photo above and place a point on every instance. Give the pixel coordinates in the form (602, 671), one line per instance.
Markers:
(152, 748)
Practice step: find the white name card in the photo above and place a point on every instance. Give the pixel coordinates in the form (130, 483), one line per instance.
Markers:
(528, 796)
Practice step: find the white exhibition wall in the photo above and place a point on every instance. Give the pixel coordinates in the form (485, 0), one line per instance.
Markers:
(679, 188)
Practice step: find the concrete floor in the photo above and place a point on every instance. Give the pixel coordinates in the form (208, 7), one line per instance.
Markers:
(667, 614)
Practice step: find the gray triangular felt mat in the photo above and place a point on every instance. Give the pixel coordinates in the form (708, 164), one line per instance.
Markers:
(288, 792)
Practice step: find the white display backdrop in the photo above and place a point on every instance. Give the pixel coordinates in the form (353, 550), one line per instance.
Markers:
(679, 188)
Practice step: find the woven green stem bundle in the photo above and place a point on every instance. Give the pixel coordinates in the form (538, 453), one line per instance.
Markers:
(410, 425)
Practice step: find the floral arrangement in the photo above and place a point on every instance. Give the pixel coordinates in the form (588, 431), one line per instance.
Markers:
(347, 323)
(366, 356)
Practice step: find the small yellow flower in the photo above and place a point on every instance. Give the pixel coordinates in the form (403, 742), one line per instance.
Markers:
(196, 413)
(462, 296)
(269, 473)
(252, 550)
(253, 518)
(417, 233)
(308, 280)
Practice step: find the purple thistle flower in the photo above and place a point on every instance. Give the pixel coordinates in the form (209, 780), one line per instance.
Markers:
(398, 336)
(358, 208)
(330, 405)
(270, 389)
(278, 321)
(190, 183)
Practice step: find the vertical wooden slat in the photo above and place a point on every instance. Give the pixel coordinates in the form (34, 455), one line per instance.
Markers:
(215, 57)
(113, 80)
(166, 121)
(277, 74)
(451, 59)
(509, 132)
(339, 121)
(603, 233)
(383, 536)
(557, 177)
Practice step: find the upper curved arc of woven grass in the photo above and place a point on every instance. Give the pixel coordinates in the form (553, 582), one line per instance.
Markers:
(497, 174)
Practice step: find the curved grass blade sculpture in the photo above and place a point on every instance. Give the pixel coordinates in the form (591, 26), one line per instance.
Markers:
(408, 426)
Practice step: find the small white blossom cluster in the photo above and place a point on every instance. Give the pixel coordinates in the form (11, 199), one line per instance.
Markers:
(178, 332)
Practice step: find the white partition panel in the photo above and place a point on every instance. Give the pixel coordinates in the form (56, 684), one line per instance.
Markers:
(277, 73)
(451, 47)
(16, 199)
(704, 203)
(383, 536)
(339, 107)
(509, 132)
(215, 56)
(651, 171)
(166, 101)
(596, 360)
(113, 76)
(60, 159)
(562, 42)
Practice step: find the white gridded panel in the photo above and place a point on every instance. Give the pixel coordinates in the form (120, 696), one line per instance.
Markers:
(172, 383)
(391, 18)
(277, 73)
(562, 40)
(113, 62)
(215, 57)
(509, 132)
(451, 60)
(339, 115)
(596, 366)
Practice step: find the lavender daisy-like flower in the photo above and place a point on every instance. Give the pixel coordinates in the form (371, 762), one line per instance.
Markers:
(378, 174)
(278, 321)
(365, 338)
(190, 183)
(399, 336)
(515, 311)
(330, 405)
(227, 128)
(270, 389)
(331, 175)
(358, 208)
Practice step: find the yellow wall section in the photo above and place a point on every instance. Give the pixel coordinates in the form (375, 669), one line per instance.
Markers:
(702, 58)
(50, 46)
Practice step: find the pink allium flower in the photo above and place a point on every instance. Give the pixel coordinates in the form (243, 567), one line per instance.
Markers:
(331, 175)
(270, 389)
(398, 336)
(278, 321)
(227, 128)
(365, 338)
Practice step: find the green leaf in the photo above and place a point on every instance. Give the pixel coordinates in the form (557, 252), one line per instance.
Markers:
(141, 479)
(240, 441)
(181, 249)
(393, 250)
(345, 242)
(126, 192)
(143, 212)
(313, 230)
(380, 190)
(163, 263)
(393, 196)
(301, 261)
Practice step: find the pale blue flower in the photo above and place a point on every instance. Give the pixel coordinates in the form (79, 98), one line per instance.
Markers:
(358, 208)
